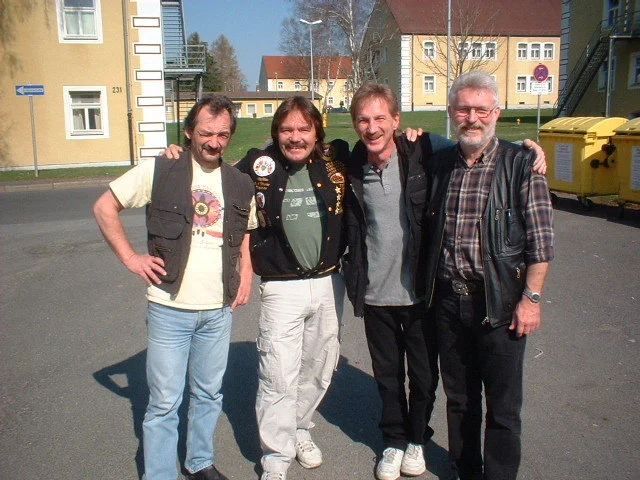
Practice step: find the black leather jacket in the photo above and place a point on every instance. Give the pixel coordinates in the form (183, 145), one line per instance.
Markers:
(271, 255)
(412, 158)
(170, 220)
(502, 228)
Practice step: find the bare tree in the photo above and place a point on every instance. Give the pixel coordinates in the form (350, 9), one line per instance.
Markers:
(474, 46)
(231, 77)
(342, 31)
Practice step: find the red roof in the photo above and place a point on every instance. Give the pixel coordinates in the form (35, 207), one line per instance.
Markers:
(526, 18)
(298, 67)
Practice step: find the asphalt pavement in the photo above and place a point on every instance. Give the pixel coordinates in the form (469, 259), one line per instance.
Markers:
(72, 350)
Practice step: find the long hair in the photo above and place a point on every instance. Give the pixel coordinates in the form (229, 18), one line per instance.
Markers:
(216, 105)
(369, 91)
(308, 111)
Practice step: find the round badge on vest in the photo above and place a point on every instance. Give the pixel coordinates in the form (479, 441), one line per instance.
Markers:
(264, 166)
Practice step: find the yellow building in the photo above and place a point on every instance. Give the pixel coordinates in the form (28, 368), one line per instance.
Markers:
(332, 78)
(600, 40)
(504, 38)
(97, 70)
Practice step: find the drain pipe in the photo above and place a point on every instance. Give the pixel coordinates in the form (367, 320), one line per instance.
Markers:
(125, 31)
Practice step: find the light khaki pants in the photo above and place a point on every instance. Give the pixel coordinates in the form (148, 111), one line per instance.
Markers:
(298, 351)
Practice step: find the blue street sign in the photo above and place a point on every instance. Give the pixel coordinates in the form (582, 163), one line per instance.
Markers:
(29, 90)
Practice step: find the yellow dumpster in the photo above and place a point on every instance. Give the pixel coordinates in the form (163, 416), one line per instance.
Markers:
(580, 156)
(627, 142)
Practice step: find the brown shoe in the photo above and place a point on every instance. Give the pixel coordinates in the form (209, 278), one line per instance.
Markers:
(207, 473)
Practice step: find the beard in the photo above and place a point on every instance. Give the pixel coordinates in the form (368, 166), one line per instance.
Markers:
(483, 133)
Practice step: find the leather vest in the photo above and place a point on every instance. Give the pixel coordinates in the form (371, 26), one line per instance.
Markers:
(170, 220)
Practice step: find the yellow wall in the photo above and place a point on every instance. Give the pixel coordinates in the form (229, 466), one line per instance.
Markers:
(42, 59)
(339, 91)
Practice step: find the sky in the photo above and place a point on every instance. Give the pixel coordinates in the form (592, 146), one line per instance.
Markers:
(252, 27)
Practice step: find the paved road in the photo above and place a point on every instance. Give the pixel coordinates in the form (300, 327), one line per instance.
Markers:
(72, 350)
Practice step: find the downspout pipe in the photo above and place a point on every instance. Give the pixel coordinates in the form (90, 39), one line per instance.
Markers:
(127, 72)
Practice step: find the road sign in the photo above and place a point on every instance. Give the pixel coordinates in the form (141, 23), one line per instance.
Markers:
(541, 73)
(29, 90)
(539, 88)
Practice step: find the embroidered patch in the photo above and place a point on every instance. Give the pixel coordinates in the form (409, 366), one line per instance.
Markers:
(260, 199)
(337, 177)
(264, 166)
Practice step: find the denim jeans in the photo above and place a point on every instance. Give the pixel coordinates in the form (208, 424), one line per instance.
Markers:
(180, 342)
(473, 356)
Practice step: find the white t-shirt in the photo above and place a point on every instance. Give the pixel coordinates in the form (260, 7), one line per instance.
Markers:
(201, 287)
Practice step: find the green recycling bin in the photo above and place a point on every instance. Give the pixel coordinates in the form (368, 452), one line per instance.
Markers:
(581, 158)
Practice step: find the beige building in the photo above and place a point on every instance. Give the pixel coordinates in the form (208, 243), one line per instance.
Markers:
(504, 38)
(332, 78)
(100, 68)
(600, 40)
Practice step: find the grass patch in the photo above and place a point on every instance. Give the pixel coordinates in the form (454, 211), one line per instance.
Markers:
(254, 132)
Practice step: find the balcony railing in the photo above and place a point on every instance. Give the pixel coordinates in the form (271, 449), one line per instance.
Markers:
(185, 59)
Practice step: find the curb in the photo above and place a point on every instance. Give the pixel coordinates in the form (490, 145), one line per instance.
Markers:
(54, 184)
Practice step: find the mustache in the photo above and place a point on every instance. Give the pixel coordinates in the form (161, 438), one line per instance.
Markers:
(211, 149)
(299, 143)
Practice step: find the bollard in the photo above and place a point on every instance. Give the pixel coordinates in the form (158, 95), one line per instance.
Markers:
(325, 120)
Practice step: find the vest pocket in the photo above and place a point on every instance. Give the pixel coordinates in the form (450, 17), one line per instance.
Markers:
(165, 229)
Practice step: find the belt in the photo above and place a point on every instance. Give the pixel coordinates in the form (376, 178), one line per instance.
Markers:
(300, 276)
(462, 287)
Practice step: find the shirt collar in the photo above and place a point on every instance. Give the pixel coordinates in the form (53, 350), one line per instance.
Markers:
(488, 154)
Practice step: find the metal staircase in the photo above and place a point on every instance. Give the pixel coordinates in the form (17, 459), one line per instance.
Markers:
(180, 60)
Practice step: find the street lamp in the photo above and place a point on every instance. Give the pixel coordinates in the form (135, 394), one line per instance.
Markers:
(317, 22)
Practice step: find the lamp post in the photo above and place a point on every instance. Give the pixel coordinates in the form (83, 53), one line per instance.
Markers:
(306, 22)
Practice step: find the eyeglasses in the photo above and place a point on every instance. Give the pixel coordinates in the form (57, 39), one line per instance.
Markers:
(480, 112)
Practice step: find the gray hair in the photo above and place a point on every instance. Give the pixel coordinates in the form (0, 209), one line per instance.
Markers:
(476, 80)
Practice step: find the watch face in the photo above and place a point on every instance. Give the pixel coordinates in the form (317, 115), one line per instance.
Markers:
(535, 297)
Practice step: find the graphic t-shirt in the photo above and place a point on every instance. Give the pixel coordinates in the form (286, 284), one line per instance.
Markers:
(305, 217)
(201, 287)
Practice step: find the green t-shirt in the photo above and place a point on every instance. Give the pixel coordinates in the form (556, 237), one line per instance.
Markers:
(305, 217)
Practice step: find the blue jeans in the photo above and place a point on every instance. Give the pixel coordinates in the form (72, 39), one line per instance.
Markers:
(180, 339)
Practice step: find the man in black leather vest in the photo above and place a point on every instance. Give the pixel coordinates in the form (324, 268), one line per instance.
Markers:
(198, 269)
(488, 242)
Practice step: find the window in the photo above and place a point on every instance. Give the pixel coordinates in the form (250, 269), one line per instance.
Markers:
(634, 70)
(521, 84)
(550, 84)
(280, 85)
(604, 75)
(268, 108)
(476, 50)
(385, 55)
(463, 48)
(86, 112)
(549, 49)
(429, 50)
(251, 109)
(347, 85)
(534, 51)
(386, 80)
(297, 86)
(429, 84)
(330, 101)
(612, 12)
(79, 21)
(316, 85)
(522, 51)
(331, 84)
(490, 50)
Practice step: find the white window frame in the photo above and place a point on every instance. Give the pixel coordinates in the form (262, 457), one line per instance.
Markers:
(330, 101)
(265, 110)
(64, 37)
(71, 133)
(535, 51)
(490, 53)
(297, 86)
(550, 83)
(476, 50)
(462, 48)
(432, 80)
(279, 85)
(603, 74)
(634, 70)
(519, 80)
(428, 50)
(523, 51)
(548, 51)
(254, 107)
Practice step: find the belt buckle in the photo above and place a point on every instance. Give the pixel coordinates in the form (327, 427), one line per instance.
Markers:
(459, 286)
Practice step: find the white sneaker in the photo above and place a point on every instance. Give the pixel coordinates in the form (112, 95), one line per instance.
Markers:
(273, 476)
(389, 465)
(413, 463)
(307, 452)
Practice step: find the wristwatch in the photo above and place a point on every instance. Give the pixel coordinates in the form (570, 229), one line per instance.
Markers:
(533, 296)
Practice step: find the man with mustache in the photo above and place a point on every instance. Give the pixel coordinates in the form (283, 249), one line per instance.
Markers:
(197, 269)
(489, 239)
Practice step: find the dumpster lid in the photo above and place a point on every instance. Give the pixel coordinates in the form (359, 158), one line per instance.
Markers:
(632, 127)
(598, 125)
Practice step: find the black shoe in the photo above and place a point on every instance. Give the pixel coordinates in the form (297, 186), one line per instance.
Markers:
(207, 473)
